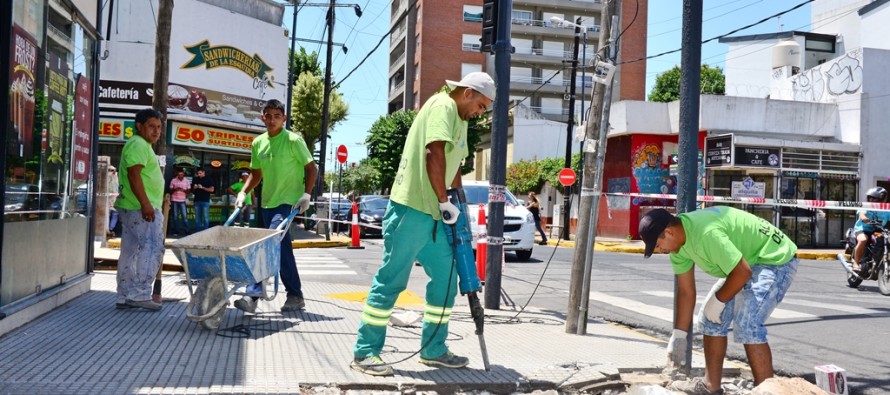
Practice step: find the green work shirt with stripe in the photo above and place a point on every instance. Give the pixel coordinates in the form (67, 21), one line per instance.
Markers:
(138, 152)
(282, 159)
(438, 120)
(717, 238)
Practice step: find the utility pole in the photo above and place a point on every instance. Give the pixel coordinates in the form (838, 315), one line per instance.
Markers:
(690, 88)
(500, 119)
(326, 105)
(594, 156)
(159, 102)
(291, 78)
(570, 126)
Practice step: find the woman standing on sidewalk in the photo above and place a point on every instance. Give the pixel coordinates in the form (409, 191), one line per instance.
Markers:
(535, 208)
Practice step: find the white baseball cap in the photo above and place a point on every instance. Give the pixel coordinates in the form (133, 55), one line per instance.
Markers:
(477, 81)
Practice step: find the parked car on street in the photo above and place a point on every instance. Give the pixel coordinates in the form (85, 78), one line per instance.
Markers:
(370, 212)
(341, 210)
(519, 224)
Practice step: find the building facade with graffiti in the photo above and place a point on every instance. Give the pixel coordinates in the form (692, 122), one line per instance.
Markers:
(804, 117)
(221, 74)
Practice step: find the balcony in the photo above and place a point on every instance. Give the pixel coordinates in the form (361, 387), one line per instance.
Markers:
(397, 9)
(471, 47)
(397, 64)
(397, 35)
(396, 89)
(547, 56)
(563, 5)
(550, 110)
(547, 28)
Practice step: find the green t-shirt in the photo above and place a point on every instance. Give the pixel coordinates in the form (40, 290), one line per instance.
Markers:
(138, 151)
(718, 237)
(438, 120)
(237, 188)
(282, 159)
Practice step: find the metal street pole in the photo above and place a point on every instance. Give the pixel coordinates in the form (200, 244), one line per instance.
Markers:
(583, 112)
(499, 124)
(594, 157)
(566, 209)
(291, 78)
(690, 88)
(326, 103)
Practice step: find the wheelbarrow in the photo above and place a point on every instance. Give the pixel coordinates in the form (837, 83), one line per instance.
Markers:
(222, 255)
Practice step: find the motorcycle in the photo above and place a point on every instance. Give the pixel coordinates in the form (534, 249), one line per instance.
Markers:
(874, 262)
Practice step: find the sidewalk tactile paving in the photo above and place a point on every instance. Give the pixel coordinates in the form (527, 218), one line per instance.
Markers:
(88, 346)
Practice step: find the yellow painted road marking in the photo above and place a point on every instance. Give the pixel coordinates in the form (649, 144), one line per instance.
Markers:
(406, 298)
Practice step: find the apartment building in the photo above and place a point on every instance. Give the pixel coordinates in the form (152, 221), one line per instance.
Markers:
(438, 40)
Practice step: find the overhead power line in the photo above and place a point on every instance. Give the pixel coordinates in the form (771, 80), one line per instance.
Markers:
(391, 30)
(725, 34)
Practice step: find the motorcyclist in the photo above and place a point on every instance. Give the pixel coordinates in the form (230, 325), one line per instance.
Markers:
(864, 227)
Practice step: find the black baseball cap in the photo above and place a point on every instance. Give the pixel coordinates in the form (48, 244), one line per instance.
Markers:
(651, 226)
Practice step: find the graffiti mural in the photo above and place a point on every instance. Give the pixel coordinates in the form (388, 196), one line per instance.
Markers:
(825, 83)
(650, 174)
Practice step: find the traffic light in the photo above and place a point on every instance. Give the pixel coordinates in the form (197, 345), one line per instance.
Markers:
(489, 25)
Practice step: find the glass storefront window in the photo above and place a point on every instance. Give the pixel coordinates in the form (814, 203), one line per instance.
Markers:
(48, 164)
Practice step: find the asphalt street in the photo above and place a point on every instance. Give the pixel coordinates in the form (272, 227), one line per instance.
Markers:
(821, 321)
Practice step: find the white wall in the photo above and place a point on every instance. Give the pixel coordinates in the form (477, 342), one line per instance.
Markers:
(538, 139)
(748, 66)
(875, 118)
(875, 23)
(839, 17)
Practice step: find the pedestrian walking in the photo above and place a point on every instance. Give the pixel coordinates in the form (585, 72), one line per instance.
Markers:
(534, 207)
(139, 206)
(202, 187)
(281, 159)
(179, 189)
(755, 263)
(243, 218)
(113, 190)
(413, 228)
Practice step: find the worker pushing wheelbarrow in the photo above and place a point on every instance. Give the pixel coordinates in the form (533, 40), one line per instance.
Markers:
(224, 254)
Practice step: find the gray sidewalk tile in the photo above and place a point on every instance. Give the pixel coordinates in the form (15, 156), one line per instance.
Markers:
(89, 346)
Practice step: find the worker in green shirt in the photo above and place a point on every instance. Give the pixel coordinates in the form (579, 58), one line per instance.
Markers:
(243, 217)
(755, 263)
(414, 225)
(281, 159)
(139, 207)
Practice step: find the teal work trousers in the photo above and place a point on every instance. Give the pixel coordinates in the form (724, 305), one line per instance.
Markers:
(410, 235)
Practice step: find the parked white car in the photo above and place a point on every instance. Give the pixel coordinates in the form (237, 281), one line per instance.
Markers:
(519, 225)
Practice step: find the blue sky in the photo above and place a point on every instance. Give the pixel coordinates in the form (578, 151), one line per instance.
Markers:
(366, 89)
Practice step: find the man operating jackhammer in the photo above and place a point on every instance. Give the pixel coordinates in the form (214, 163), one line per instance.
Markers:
(415, 221)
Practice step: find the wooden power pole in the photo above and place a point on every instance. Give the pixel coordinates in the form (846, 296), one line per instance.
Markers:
(159, 102)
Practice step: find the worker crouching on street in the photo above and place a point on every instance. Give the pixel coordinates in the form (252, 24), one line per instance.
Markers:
(755, 263)
(413, 228)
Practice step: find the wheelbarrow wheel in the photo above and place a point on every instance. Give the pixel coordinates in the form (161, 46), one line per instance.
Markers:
(208, 294)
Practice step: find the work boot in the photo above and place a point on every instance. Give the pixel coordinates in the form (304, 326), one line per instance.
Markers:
(144, 304)
(293, 303)
(695, 386)
(372, 365)
(246, 304)
(447, 360)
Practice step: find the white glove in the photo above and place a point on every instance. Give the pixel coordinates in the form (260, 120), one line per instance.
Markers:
(676, 349)
(450, 212)
(713, 308)
(303, 203)
(239, 201)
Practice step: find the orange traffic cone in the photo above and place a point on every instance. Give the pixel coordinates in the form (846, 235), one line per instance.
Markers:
(481, 245)
(356, 234)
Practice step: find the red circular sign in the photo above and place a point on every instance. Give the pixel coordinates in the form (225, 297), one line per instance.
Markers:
(567, 176)
(341, 153)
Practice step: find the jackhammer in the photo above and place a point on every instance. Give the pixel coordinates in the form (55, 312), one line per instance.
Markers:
(461, 239)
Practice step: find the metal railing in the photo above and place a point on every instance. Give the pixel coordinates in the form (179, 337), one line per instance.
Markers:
(550, 52)
(548, 24)
(550, 110)
(397, 63)
(542, 81)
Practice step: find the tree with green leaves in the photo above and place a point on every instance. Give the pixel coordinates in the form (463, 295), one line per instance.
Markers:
(667, 84)
(302, 62)
(530, 175)
(361, 179)
(307, 105)
(385, 142)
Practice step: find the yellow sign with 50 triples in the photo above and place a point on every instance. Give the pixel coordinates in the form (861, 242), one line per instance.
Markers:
(201, 136)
